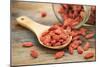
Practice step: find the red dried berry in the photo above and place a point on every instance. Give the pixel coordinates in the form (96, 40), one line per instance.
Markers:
(89, 55)
(67, 22)
(56, 37)
(74, 33)
(43, 14)
(27, 44)
(58, 31)
(76, 38)
(34, 54)
(71, 50)
(65, 16)
(45, 33)
(57, 44)
(68, 29)
(90, 35)
(82, 31)
(59, 54)
(74, 46)
(65, 6)
(80, 50)
(86, 46)
(61, 10)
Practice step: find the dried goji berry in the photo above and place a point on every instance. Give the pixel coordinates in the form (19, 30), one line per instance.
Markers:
(67, 22)
(76, 43)
(86, 46)
(34, 54)
(74, 33)
(82, 31)
(89, 55)
(43, 14)
(65, 6)
(76, 38)
(27, 44)
(90, 35)
(68, 29)
(71, 50)
(80, 50)
(61, 10)
(59, 54)
(74, 46)
(57, 44)
(53, 42)
(46, 41)
(82, 13)
(57, 31)
(65, 16)
(56, 37)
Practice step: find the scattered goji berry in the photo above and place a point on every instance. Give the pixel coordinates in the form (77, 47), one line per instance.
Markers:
(71, 50)
(90, 35)
(89, 55)
(59, 54)
(82, 31)
(80, 50)
(86, 46)
(34, 54)
(27, 44)
(43, 14)
(76, 38)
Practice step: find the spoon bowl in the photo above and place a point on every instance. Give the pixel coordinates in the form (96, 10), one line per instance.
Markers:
(38, 29)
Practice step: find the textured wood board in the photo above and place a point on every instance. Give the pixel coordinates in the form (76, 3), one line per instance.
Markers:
(21, 55)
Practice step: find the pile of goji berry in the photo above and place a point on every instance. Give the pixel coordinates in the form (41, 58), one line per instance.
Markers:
(55, 36)
(71, 14)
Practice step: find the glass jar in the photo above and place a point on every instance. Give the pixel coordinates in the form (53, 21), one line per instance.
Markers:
(87, 12)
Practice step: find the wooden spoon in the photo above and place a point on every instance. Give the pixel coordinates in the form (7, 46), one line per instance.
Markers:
(38, 29)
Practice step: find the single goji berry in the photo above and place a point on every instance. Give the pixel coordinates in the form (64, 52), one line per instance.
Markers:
(89, 55)
(57, 44)
(59, 54)
(76, 38)
(80, 50)
(43, 14)
(34, 53)
(86, 46)
(71, 50)
(27, 44)
(74, 46)
(61, 10)
(90, 35)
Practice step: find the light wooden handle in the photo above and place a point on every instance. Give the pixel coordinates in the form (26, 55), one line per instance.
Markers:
(32, 25)
(28, 23)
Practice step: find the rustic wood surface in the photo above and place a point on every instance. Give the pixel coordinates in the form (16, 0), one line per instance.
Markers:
(21, 55)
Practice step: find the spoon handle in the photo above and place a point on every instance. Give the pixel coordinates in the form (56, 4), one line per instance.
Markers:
(30, 24)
